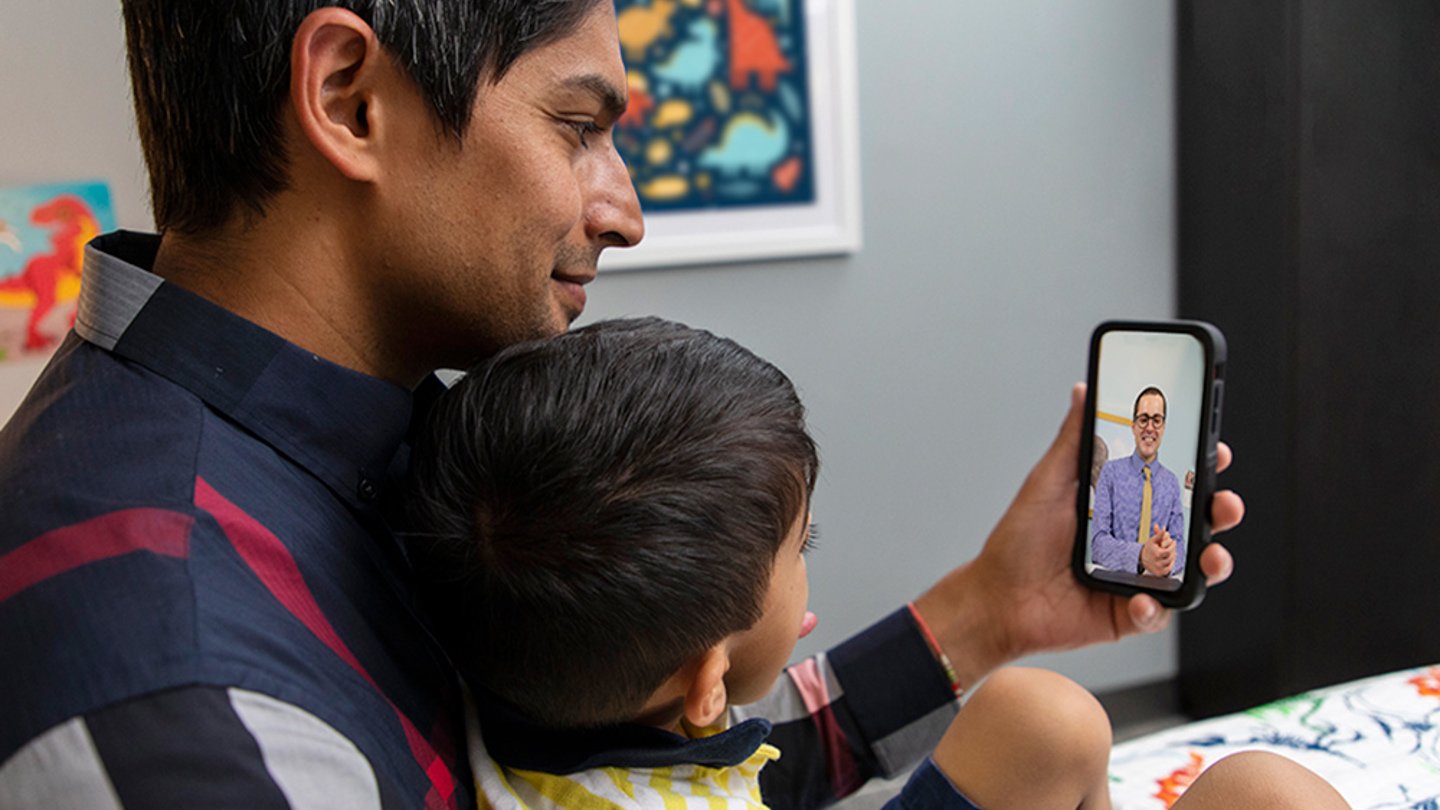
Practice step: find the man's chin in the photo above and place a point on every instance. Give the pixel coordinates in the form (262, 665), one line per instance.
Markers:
(569, 297)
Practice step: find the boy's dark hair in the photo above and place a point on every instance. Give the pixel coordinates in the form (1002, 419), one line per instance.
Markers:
(587, 513)
(209, 81)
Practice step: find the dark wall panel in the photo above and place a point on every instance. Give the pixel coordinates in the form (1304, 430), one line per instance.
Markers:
(1310, 233)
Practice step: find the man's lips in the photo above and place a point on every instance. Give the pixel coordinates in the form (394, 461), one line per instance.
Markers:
(581, 277)
(570, 288)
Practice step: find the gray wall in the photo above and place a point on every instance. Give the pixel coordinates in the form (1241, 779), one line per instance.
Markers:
(1018, 187)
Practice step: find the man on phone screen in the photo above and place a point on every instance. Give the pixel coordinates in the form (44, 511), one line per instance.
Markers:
(1139, 524)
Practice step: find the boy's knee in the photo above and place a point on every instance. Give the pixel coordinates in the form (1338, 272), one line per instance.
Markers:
(1261, 779)
(1029, 725)
(1044, 715)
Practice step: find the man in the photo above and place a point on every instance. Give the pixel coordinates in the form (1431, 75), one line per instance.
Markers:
(1139, 522)
(201, 603)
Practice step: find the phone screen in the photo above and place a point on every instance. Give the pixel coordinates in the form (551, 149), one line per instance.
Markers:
(1148, 448)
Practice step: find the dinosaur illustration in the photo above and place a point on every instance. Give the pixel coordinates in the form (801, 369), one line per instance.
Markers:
(693, 62)
(754, 50)
(642, 26)
(750, 145)
(52, 277)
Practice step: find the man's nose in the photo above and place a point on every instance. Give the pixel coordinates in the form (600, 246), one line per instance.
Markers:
(613, 217)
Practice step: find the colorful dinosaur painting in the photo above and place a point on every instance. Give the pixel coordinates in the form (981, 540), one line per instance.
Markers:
(52, 277)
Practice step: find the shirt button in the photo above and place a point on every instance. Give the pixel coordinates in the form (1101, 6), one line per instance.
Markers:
(367, 490)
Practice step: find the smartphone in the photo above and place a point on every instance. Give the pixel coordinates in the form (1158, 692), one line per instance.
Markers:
(1147, 458)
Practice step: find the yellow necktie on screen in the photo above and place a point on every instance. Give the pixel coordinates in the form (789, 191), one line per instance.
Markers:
(1144, 535)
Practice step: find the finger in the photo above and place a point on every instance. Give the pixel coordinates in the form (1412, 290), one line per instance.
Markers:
(1223, 457)
(1146, 615)
(1216, 563)
(1227, 509)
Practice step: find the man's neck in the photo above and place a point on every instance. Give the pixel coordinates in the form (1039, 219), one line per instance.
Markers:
(299, 282)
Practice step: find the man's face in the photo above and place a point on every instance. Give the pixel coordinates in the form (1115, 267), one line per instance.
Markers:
(491, 242)
(1148, 425)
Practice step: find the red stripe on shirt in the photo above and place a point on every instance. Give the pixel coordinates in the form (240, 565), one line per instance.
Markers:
(273, 563)
(840, 764)
(159, 531)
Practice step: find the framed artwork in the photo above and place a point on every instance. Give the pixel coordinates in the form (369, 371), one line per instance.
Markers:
(43, 231)
(741, 136)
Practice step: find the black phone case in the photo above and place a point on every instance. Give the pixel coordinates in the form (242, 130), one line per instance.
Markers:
(1192, 589)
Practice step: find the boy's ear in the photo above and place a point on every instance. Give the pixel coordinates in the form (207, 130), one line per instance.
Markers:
(334, 62)
(706, 698)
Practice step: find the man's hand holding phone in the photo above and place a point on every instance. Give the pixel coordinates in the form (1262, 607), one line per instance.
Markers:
(1019, 596)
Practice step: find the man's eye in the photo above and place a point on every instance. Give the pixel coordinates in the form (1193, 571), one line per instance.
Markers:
(584, 129)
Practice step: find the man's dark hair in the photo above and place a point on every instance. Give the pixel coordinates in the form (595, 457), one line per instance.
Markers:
(588, 513)
(1152, 390)
(210, 80)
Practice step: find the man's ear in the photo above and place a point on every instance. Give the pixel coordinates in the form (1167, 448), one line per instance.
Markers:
(706, 698)
(334, 60)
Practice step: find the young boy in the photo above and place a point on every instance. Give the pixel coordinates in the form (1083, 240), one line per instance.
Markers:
(613, 526)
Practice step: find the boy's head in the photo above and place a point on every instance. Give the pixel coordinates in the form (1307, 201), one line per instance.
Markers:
(605, 517)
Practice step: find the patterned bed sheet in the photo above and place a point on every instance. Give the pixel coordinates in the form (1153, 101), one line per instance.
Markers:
(1377, 740)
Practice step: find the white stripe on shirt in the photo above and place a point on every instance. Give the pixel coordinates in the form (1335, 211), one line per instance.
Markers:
(314, 766)
(58, 769)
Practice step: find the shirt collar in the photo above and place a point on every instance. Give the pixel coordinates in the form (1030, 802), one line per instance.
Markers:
(514, 741)
(342, 426)
(1137, 464)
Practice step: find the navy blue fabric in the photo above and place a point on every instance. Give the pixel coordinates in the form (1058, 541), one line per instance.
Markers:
(516, 742)
(929, 789)
(793, 781)
(148, 767)
(301, 448)
(866, 666)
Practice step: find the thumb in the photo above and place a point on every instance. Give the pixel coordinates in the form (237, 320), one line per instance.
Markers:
(1061, 462)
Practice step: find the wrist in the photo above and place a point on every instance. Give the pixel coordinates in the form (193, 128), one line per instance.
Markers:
(955, 614)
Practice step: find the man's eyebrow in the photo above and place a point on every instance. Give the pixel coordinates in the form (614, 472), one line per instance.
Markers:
(611, 98)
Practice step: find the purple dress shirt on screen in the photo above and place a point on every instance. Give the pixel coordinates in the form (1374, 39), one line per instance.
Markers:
(1117, 513)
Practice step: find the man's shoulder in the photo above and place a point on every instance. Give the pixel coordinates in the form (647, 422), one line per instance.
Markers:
(117, 581)
(1161, 472)
(1114, 467)
(94, 436)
